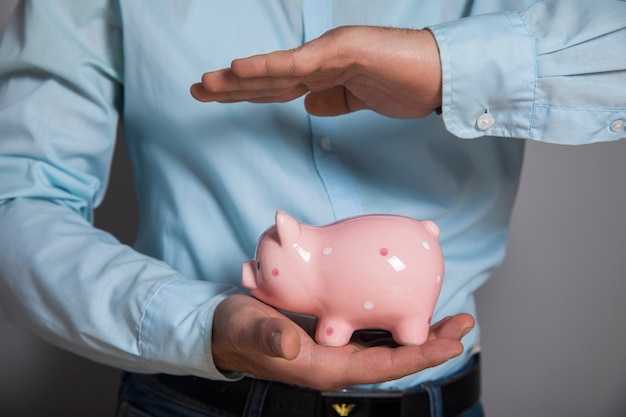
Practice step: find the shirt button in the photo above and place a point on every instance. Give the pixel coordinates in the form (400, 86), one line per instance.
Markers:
(485, 121)
(617, 126)
(326, 144)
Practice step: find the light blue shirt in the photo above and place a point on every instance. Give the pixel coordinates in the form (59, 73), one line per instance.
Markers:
(209, 177)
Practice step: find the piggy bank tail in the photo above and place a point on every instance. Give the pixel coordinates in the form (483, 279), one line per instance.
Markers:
(432, 228)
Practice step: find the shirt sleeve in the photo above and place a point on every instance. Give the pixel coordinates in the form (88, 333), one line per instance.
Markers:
(554, 73)
(61, 86)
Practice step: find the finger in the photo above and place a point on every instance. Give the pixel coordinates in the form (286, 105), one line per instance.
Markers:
(380, 364)
(278, 63)
(227, 80)
(224, 82)
(275, 96)
(438, 351)
(385, 363)
(198, 92)
(254, 96)
(454, 327)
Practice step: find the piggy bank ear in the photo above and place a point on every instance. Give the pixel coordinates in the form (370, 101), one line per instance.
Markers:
(288, 229)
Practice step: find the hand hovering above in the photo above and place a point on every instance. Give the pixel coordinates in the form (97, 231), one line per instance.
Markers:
(256, 339)
(395, 72)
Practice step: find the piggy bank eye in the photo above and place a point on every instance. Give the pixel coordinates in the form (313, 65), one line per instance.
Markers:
(258, 266)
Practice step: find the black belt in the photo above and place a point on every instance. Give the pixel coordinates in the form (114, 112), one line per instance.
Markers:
(282, 400)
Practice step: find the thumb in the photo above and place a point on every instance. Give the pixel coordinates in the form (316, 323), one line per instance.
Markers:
(333, 102)
(244, 326)
(277, 337)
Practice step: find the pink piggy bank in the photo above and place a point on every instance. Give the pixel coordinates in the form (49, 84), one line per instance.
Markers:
(367, 272)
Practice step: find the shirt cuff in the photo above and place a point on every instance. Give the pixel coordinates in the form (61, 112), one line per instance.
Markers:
(175, 334)
(489, 75)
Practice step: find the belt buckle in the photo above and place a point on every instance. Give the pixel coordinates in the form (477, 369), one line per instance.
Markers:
(361, 403)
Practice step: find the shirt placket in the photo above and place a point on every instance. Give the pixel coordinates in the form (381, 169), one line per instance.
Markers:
(340, 189)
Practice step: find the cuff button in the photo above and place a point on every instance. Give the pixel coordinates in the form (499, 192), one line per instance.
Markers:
(485, 121)
(617, 126)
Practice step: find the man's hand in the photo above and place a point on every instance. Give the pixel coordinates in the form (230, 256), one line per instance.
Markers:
(254, 338)
(395, 72)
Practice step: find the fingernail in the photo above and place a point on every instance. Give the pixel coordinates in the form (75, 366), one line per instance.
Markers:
(276, 344)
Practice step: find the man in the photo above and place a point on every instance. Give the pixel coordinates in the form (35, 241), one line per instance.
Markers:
(210, 178)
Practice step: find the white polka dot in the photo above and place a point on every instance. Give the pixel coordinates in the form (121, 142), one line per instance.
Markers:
(426, 245)
(327, 250)
(368, 305)
(438, 279)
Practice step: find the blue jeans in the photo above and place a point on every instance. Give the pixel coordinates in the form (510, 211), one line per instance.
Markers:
(143, 396)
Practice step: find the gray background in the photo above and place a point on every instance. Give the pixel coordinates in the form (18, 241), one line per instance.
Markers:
(553, 316)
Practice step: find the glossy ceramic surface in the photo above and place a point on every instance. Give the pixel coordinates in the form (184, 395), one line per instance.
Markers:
(367, 272)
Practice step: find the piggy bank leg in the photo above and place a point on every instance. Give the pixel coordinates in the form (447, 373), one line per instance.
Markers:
(411, 331)
(333, 332)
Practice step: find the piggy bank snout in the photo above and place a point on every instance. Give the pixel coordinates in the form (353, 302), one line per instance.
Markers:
(249, 275)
